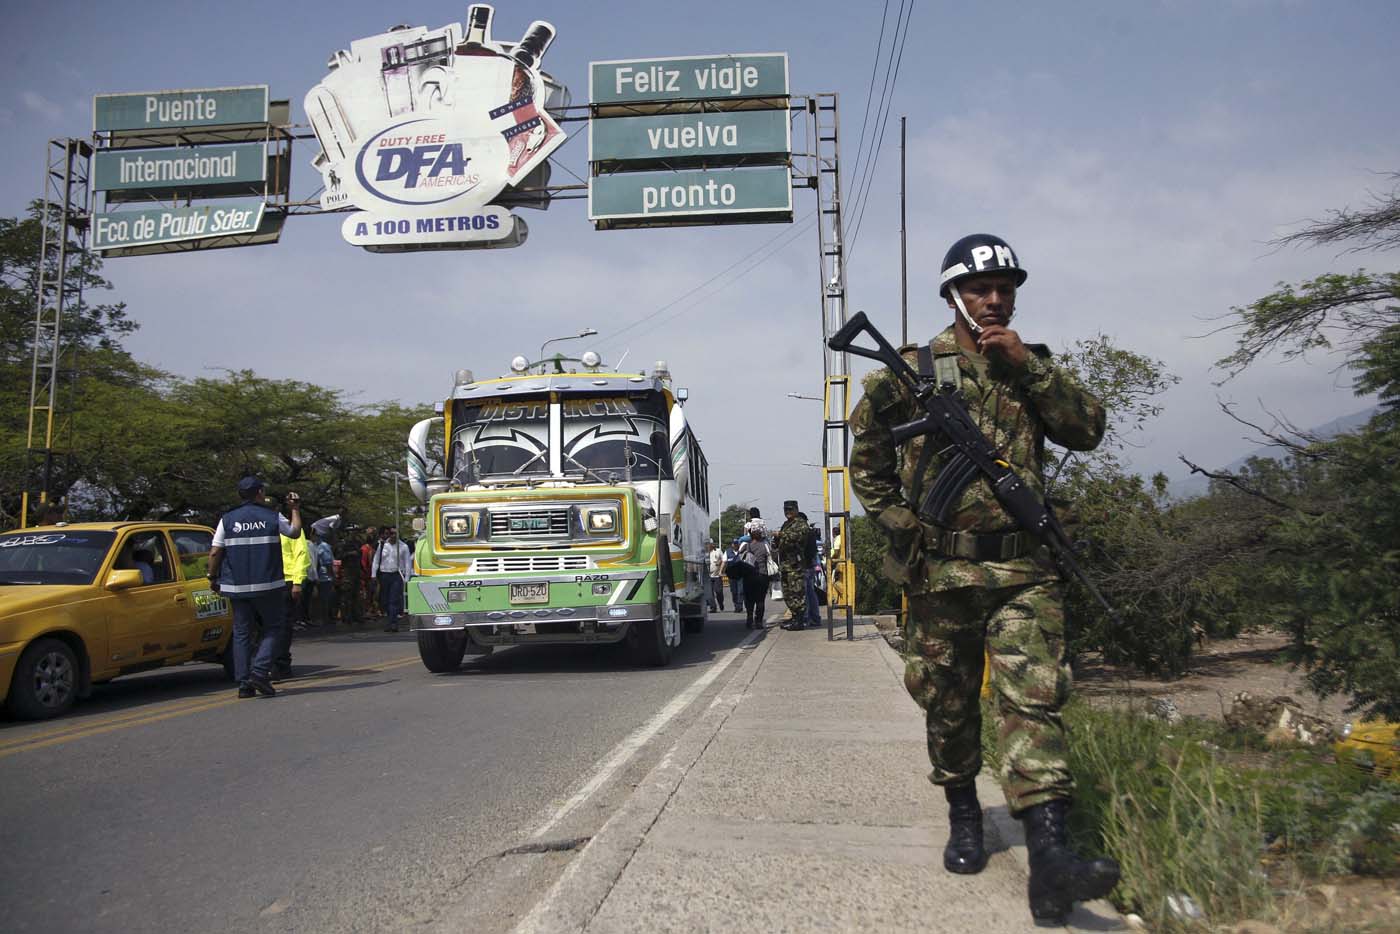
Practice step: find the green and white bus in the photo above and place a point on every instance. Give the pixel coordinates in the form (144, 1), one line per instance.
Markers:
(568, 507)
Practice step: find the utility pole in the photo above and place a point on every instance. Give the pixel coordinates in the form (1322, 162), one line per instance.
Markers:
(903, 246)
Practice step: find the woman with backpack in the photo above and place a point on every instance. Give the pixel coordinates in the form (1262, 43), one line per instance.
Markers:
(762, 561)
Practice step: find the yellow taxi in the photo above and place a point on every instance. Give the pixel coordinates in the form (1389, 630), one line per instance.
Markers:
(83, 604)
(1371, 746)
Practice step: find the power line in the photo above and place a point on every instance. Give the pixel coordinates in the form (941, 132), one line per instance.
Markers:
(683, 296)
(870, 89)
(892, 81)
(757, 260)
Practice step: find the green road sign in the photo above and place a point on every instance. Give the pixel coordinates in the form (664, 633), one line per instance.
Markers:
(673, 137)
(181, 167)
(159, 110)
(119, 229)
(701, 76)
(643, 199)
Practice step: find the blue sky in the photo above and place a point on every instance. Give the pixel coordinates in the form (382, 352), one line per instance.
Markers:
(1139, 156)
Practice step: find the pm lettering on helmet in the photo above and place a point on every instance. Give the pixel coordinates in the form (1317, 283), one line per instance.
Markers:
(984, 254)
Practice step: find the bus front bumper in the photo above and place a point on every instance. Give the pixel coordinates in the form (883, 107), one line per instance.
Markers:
(593, 624)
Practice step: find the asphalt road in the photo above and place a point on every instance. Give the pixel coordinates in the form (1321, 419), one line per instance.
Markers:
(368, 795)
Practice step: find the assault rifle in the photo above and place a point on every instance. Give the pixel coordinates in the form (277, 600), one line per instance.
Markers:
(945, 413)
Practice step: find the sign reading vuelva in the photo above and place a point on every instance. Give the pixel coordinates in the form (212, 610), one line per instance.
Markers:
(423, 129)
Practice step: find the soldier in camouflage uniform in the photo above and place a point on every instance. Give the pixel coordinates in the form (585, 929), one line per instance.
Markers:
(791, 539)
(978, 584)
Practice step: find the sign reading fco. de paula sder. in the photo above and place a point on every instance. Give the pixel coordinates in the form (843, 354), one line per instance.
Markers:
(422, 130)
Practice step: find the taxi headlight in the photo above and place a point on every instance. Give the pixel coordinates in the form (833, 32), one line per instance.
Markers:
(601, 521)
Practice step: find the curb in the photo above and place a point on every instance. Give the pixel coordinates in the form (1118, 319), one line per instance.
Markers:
(578, 894)
(1087, 916)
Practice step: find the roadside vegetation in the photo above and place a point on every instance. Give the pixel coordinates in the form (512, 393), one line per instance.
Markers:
(135, 442)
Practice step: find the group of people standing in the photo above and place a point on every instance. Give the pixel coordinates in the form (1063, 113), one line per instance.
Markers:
(752, 561)
(282, 577)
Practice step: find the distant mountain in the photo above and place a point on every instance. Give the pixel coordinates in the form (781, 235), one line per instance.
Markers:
(1337, 426)
(1197, 485)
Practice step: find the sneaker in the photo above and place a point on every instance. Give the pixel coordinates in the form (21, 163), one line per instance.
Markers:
(246, 690)
(262, 685)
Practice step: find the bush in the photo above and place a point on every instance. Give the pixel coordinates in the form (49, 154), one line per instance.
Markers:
(1193, 808)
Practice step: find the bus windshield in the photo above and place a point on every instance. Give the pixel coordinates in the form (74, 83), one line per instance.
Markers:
(608, 439)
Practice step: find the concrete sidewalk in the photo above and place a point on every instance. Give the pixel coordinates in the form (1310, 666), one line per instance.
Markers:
(797, 802)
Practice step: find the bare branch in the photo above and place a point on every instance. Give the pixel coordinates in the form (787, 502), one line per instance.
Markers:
(1237, 483)
(1376, 227)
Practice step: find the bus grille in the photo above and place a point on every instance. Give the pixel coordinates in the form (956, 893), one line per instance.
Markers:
(531, 563)
(530, 523)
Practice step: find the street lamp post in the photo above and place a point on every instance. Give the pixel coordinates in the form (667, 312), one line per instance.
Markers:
(586, 332)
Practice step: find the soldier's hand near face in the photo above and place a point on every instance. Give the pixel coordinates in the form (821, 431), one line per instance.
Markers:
(1000, 341)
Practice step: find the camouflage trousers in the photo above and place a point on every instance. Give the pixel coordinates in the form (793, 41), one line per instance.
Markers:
(1022, 630)
(795, 590)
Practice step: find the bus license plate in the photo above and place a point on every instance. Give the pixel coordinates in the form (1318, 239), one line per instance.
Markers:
(530, 593)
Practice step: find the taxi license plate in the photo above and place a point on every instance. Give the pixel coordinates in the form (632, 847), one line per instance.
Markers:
(529, 593)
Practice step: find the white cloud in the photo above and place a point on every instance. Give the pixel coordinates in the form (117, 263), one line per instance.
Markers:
(41, 105)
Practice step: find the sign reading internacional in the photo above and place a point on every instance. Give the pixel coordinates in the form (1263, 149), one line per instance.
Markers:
(421, 129)
(115, 230)
(162, 110)
(640, 199)
(180, 167)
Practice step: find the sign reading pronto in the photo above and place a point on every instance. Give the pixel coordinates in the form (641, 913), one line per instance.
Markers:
(674, 138)
(636, 199)
(163, 110)
(121, 229)
(422, 129)
(711, 77)
(179, 168)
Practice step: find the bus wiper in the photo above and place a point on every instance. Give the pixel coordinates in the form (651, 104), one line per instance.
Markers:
(587, 471)
(521, 469)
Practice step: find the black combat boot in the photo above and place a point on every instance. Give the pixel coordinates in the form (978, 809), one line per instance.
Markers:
(1059, 878)
(964, 853)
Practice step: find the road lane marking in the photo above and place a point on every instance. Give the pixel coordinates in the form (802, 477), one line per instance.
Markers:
(623, 752)
(166, 712)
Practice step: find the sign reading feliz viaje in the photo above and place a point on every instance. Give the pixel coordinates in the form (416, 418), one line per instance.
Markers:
(422, 129)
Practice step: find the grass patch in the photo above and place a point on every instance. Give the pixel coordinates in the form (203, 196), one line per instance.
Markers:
(1196, 809)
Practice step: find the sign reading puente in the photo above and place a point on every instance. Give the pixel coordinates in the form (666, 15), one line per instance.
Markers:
(682, 141)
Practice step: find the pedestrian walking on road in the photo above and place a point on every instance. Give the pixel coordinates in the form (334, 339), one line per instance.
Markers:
(761, 561)
(323, 564)
(736, 582)
(792, 543)
(245, 565)
(973, 584)
(392, 563)
(715, 557)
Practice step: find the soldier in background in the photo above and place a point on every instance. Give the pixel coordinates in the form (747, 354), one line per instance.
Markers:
(792, 542)
(978, 584)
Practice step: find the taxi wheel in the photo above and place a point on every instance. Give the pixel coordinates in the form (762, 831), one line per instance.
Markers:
(45, 682)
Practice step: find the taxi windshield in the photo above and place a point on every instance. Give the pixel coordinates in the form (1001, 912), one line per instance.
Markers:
(52, 557)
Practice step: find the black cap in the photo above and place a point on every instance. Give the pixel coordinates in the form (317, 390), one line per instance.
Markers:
(249, 485)
(789, 505)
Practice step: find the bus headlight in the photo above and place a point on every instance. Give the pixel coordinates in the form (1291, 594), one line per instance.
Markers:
(461, 525)
(600, 521)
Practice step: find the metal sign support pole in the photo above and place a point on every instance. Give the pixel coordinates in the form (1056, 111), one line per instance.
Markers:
(824, 149)
(67, 170)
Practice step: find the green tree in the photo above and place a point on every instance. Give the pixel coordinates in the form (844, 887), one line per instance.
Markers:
(734, 517)
(1333, 574)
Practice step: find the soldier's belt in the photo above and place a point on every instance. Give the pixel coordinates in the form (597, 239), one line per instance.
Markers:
(974, 547)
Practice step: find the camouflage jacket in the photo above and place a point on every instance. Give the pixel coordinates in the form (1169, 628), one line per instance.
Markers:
(790, 539)
(1016, 410)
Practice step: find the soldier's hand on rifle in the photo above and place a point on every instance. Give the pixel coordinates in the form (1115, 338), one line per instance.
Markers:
(999, 340)
(906, 535)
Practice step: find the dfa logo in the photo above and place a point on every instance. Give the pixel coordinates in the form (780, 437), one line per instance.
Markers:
(418, 162)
